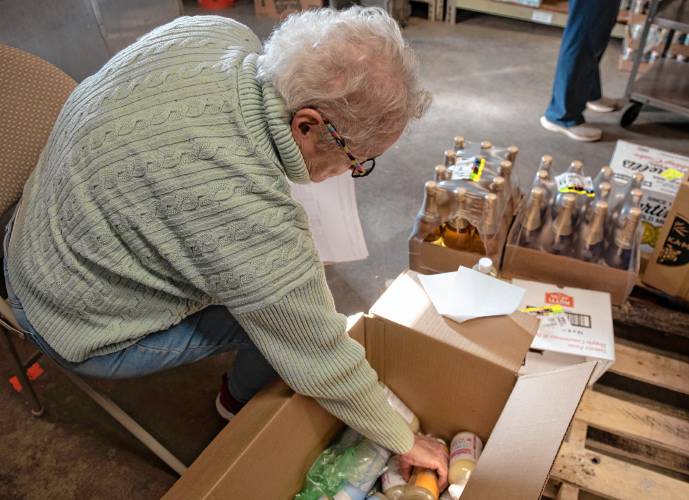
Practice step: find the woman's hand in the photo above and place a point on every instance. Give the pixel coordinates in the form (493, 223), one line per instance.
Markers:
(430, 453)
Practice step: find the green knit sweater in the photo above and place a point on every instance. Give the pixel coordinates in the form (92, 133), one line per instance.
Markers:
(163, 189)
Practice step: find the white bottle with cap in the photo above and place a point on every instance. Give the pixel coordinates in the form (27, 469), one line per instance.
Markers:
(485, 266)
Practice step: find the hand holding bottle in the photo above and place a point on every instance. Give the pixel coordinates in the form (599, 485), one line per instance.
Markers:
(429, 453)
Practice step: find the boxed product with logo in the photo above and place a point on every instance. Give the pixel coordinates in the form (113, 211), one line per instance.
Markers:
(576, 326)
(454, 377)
(668, 267)
(663, 173)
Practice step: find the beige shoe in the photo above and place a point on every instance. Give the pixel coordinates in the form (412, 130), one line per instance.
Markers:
(603, 105)
(582, 133)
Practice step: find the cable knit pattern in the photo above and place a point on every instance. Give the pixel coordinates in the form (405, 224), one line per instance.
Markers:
(163, 189)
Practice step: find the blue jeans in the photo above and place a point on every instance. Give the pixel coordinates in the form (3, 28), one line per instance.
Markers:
(210, 331)
(577, 75)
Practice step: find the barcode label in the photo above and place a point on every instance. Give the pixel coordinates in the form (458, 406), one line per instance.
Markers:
(579, 320)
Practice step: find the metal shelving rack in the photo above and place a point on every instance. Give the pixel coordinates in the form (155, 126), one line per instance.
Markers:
(666, 84)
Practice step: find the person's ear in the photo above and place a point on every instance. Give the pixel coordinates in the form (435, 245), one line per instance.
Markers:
(306, 127)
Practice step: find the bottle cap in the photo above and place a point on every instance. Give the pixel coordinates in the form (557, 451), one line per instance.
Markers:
(576, 166)
(459, 142)
(485, 265)
(546, 161)
(486, 144)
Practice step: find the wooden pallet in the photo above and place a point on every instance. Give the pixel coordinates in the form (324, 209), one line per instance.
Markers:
(644, 452)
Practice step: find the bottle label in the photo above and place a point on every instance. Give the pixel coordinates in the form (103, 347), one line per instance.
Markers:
(397, 405)
(393, 475)
(466, 446)
(470, 169)
(570, 182)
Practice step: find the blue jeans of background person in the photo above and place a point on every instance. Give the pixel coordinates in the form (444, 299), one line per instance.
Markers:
(577, 76)
(210, 331)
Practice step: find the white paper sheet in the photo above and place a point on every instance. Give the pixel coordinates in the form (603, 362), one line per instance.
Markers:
(468, 294)
(333, 218)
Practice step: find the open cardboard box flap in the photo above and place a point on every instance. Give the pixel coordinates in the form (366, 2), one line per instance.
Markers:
(502, 340)
(524, 443)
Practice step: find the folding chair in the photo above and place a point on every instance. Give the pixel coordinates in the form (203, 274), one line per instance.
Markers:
(33, 92)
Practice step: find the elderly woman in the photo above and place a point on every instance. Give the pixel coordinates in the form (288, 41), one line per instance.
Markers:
(158, 229)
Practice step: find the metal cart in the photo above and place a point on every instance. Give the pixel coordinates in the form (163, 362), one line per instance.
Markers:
(666, 84)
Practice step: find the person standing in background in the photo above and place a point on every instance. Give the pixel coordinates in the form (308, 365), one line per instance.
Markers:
(577, 75)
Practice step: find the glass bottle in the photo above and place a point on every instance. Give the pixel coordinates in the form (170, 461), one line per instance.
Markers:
(529, 235)
(423, 485)
(459, 143)
(602, 194)
(512, 152)
(619, 253)
(486, 241)
(559, 238)
(458, 232)
(505, 172)
(633, 200)
(427, 225)
(591, 237)
(499, 187)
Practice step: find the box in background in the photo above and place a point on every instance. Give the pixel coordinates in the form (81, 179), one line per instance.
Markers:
(280, 9)
(663, 173)
(668, 267)
(583, 332)
(453, 376)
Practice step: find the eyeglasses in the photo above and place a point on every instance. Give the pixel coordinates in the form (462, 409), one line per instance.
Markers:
(358, 168)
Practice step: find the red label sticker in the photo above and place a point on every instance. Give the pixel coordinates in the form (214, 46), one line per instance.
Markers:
(34, 371)
(559, 298)
(16, 384)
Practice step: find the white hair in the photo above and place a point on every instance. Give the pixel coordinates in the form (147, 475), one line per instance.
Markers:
(353, 66)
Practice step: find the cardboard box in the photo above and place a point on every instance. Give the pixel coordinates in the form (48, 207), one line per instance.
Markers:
(582, 332)
(668, 268)
(663, 173)
(279, 9)
(535, 265)
(453, 376)
(427, 258)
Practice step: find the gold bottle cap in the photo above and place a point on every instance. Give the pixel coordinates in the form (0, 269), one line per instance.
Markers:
(604, 189)
(486, 144)
(431, 187)
(624, 237)
(512, 152)
(506, 168)
(606, 172)
(638, 179)
(576, 166)
(459, 142)
(498, 184)
(439, 173)
(546, 161)
(543, 175)
(563, 223)
(450, 157)
(596, 232)
(533, 215)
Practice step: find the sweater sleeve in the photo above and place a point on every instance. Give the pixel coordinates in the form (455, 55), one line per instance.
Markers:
(305, 340)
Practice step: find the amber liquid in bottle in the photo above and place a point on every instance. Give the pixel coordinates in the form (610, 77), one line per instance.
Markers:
(458, 232)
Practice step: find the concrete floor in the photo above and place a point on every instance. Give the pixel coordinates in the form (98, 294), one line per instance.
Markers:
(491, 79)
